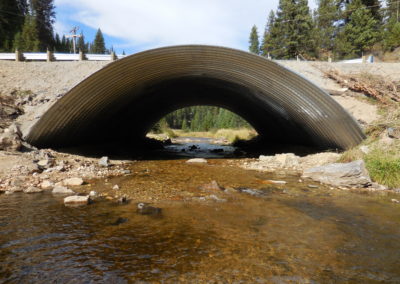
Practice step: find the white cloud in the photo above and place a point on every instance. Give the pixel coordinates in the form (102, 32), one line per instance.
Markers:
(153, 23)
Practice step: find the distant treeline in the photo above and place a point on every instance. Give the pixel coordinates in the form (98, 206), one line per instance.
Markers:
(337, 28)
(202, 118)
(27, 25)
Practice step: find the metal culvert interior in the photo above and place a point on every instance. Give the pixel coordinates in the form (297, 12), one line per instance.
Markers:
(120, 102)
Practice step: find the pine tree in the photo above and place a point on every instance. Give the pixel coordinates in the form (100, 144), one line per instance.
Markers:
(254, 41)
(391, 39)
(98, 45)
(44, 13)
(12, 14)
(326, 17)
(359, 34)
(81, 45)
(28, 39)
(269, 39)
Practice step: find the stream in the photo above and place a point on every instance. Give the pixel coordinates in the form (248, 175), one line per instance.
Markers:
(255, 233)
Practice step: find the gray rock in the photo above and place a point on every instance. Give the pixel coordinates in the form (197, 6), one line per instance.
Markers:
(62, 190)
(10, 141)
(33, 189)
(104, 161)
(93, 193)
(77, 200)
(73, 181)
(352, 174)
(394, 132)
(197, 160)
(45, 164)
(146, 209)
(365, 149)
(47, 185)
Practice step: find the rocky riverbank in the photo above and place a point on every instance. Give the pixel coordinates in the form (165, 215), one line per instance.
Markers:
(27, 90)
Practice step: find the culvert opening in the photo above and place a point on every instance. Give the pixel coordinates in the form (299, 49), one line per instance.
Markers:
(120, 103)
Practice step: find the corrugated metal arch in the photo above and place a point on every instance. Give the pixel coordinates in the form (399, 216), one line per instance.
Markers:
(124, 98)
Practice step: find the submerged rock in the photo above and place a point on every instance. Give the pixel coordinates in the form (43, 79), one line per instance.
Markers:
(77, 200)
(352, 174)
(62, 190)
(212, 186)
(197, 160)
(146, 209)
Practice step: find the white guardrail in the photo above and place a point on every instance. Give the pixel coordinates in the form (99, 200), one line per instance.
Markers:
(36, 56)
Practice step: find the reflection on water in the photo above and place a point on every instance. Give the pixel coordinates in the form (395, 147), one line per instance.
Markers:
(199, 147)
(299, 237)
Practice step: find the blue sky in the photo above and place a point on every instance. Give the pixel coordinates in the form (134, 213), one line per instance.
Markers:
(137, 25)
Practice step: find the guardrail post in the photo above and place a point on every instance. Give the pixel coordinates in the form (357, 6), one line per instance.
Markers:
(19, 56)
(49, 56)
(81, 55)
(113, 56)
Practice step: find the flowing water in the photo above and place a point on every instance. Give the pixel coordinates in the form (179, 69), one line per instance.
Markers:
(259, 233)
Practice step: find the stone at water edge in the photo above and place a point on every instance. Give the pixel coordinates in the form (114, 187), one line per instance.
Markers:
(116, 187)
(77, 200)
(62, 190)
(93, 193)
(47, 185)
(197, 160)
(104, 162)
(72, 181)
(33, 189)
(352, 174)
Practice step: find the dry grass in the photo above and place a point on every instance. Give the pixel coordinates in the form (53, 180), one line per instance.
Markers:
(229, 134)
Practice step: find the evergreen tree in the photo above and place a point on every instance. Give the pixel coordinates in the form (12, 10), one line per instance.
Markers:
(293, 27)
(81, 45)
(269, 39)
(359, 34)
(326, 17)
(12, 14)
(43, 10)
(98, 45)
(28, 39)
(254, 41)
(393, 11)
(391, 38)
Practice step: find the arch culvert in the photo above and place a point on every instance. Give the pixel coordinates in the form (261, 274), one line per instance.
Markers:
(123, 100)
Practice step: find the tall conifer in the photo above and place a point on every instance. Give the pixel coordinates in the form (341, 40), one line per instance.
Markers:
(254, 41)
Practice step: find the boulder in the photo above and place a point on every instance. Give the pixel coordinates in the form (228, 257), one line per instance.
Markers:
(47, 185)
(73, 181)
(394, 132)
(352, 174)
(33, 189)
(197, 160)
(116, 187)
(103, 162)
(10, 140)
(77, 200)
(45, 164)
(62, 190)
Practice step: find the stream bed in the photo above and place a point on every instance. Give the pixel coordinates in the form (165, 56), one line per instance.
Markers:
(289, 233)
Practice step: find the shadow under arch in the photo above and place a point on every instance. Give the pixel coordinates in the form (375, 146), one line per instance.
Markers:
(123, 100)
